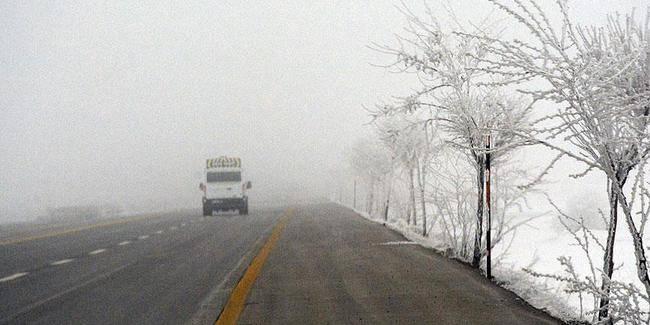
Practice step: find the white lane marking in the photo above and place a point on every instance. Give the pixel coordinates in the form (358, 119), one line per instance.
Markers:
(392, 243)
(173, 228)
(60, 294)
(68, 260)
(143, 237)
(126, 242)
(13, 277)
(182, 224)
(97, 251)
(159, 232)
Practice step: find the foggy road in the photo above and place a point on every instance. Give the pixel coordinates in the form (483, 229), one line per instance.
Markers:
(327, 266)
(512, 135)
(167, 269)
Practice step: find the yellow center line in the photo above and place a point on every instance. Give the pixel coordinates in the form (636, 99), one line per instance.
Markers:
(70, 231)
(235, 304)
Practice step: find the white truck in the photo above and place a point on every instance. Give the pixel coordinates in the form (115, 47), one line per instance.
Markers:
(224, 189)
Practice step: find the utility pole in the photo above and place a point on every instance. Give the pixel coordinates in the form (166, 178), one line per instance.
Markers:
(488, 175)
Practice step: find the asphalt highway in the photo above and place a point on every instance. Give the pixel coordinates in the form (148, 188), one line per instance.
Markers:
(332, 266)
(163, 269)
(311, 264)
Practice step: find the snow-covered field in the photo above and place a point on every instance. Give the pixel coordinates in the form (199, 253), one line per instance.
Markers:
(538, 245)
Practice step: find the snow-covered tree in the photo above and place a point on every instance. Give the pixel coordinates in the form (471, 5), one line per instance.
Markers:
(452, 198)
(372, 162)
(625, 301)
(463, 112)
(413, 143)
(601, 78)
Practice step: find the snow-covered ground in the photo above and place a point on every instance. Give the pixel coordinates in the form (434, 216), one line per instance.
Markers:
(538, 245)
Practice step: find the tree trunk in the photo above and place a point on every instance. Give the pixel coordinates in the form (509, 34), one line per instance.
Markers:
(478, 234)
(412, 197)
(390, 187)
(386, 210)
(408, 215)
(608, 258)
(421, 184)
(637, 240)
(371, 197)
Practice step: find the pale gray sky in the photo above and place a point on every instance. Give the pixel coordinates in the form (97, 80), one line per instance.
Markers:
(122, 101)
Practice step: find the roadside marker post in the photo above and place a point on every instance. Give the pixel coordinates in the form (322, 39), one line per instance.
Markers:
(488, 175)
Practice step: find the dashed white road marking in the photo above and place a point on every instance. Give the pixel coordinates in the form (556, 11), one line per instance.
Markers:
(65, 261)
(13, 277)
(143, 237)
(159, 232)
(182, 224)
(126, 242)
(97, 251)
(173, 228)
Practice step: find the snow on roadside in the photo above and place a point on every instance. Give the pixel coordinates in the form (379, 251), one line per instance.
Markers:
(544, 295)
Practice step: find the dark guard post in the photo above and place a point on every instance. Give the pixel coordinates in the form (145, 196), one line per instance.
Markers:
(488, 175)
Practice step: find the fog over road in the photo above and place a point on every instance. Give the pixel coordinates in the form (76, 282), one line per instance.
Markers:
(156, 270)
(328, 266)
